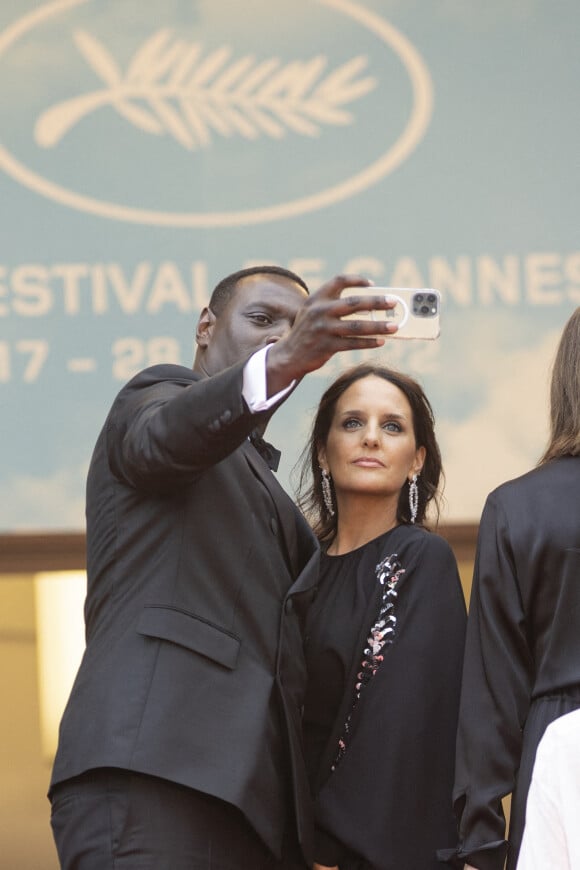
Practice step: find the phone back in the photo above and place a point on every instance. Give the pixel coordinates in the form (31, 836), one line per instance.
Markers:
(417, 312)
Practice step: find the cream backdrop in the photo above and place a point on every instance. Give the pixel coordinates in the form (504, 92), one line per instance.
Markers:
(148, 149)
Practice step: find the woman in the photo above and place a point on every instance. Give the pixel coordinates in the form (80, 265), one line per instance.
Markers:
(385, 635)
(522, 660)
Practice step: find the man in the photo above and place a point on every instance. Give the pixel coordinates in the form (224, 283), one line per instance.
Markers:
(179, 748)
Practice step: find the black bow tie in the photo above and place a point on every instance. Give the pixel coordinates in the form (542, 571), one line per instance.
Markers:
(267, 451)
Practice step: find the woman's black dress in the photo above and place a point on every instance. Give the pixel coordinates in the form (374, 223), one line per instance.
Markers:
(522, 659)
(380, 747)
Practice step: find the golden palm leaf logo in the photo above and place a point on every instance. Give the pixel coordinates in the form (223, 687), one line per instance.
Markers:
(171, 88)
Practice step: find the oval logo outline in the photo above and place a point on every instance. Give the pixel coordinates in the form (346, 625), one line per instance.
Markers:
(413, 132)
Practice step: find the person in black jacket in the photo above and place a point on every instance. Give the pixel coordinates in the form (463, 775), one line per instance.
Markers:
(180, 745)
(522, 659)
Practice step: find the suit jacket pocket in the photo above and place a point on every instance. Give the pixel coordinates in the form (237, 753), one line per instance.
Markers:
(190, 631)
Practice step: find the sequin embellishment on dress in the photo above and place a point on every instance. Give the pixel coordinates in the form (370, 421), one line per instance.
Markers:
(382, 633)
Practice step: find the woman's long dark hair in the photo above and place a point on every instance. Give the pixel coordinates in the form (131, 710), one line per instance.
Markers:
(310, 497)
(565, 395)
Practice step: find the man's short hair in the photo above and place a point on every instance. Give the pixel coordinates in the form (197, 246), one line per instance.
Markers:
(223, 291)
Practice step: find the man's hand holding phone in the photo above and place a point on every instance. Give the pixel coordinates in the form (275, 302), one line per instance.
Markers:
(416, 312)
(335, 318)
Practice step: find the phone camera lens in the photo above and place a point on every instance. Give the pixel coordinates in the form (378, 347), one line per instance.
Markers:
(418, 297)
(424, 309)
(431, 298)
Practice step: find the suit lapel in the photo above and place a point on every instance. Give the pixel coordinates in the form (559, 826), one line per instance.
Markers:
(297, 538)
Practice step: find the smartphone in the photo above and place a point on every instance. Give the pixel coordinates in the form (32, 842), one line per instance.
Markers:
(417, 312)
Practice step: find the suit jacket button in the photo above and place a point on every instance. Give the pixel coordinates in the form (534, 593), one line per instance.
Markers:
(226, 417)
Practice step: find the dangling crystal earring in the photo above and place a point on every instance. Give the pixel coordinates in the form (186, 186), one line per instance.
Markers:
(327, 492)
(413, 497)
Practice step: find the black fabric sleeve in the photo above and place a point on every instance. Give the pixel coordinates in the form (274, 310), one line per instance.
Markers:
(495, 698)
(167, 426)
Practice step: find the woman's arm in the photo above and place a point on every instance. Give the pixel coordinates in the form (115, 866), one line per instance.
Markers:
(495, 695)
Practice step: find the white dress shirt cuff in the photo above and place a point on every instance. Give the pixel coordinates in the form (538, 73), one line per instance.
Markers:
(254, 387)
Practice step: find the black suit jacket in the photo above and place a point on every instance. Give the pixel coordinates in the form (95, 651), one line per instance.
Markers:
(200, 569)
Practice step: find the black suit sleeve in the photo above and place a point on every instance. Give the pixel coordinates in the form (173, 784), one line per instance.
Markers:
(167, 426)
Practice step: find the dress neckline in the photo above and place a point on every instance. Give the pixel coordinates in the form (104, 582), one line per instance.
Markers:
(380, 537)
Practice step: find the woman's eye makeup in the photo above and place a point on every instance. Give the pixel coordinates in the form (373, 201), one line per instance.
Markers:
(391, 424)
(387, 425)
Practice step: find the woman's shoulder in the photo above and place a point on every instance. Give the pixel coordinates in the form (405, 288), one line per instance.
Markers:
(424, 543)
(534, 480)
(429, 572)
